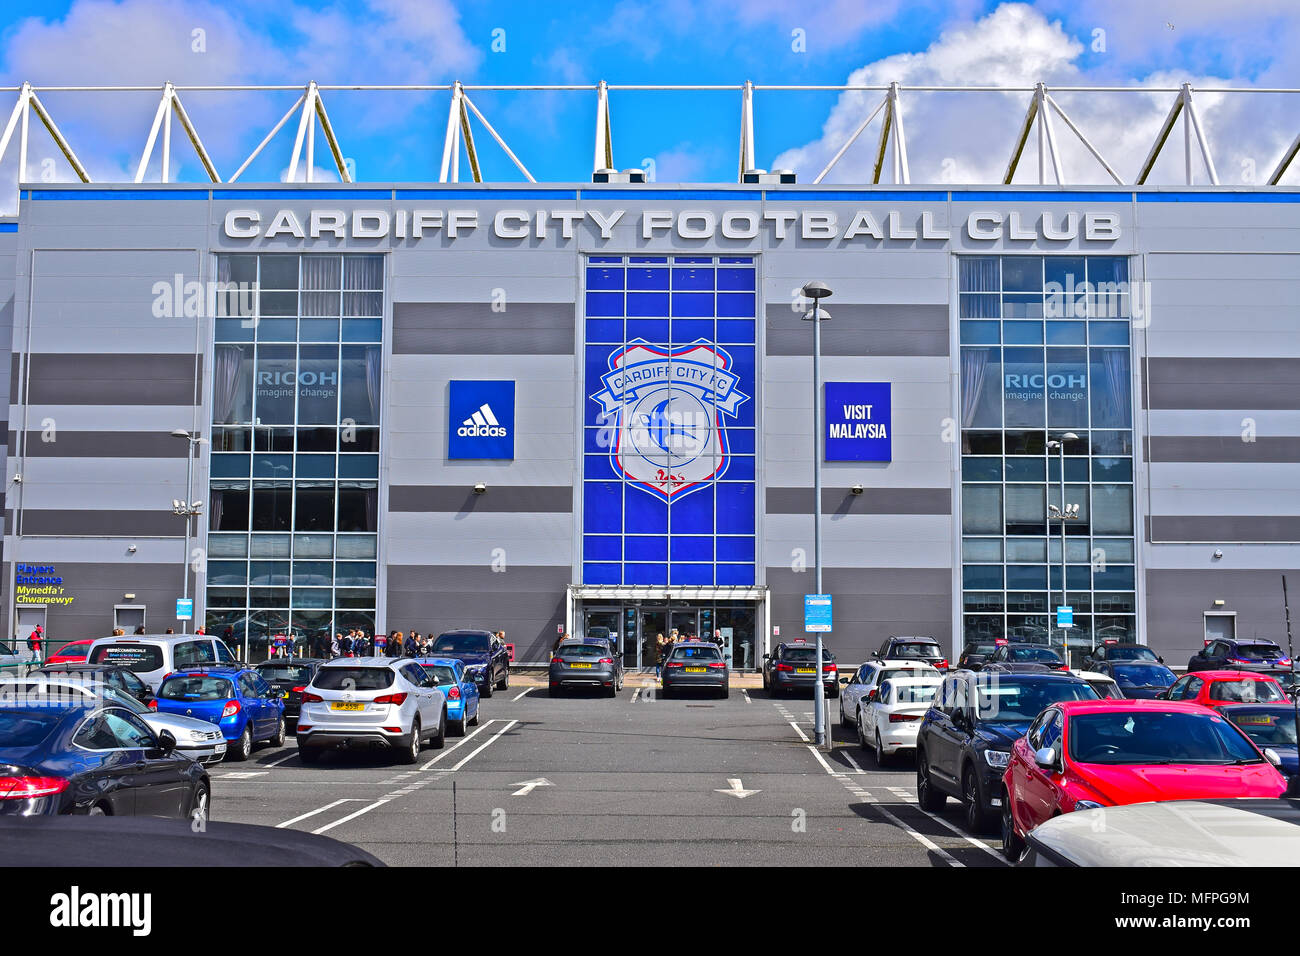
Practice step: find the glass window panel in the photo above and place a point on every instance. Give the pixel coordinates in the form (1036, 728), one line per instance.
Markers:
(318, 385)
(1112, 509)
(359, 440)
(981, 399)
(1027, 577)
(276, 304)
(1027, 602)
(1114, 550)
(226, 598)
(312, 597)
(977, 332)
(272, 505)
(318, 330)
(1022, 273)
(604, 278)
(362, 330)
(270, 574)
(272, 466)
(228, 506)
(366, 304)
(1022, 333)
(1067, 333)
(1024, 387)
(1067, 272)
(1067, 388)
(1110, 388)
(1077, 550)
(322, 304)
(313, 573)
(1116, 577)
(313, 546)
(981, 443)
(1112, 469)
(363, 272)
(227, 573)
(1026, 549)
(234, 330)
(1108, 333)
(1112, 444)
(1022, 306)
(354, 597)
(981, 509)
(983, 628)
(979, 274)
(230, 466)
(272, 439)
(358, 504)
(981, 550)
(270, 546)
(322, 272)
(983, 601)
(1025, 469)
(979, 306)
(274, 396)
(648, 279)
(1026, 443)
(314, 506)
(1115, 602)
(982, 577)
(227, 545)
(1026, 509)
(981, 469)
(359, 466)
(232, 388)
(278, 272)
(1103, 269)
(361, 375)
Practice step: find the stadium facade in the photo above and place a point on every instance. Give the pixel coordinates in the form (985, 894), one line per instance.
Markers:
(557, 407)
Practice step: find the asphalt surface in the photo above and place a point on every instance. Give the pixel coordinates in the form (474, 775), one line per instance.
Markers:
(634, 780)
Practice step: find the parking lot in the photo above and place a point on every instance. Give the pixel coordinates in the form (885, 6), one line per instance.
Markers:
(636, 779)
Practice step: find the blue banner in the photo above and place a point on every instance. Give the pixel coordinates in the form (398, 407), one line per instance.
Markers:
(858, 421)
(481, 420)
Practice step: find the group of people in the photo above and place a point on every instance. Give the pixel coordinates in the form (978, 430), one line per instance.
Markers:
(353, 643)
(663, 646)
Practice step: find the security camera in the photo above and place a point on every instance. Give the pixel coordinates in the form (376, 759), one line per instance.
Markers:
(1217, 554)
(480, 488)
(856, 489)
(131, 548)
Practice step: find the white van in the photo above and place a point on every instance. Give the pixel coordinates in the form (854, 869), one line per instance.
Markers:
(151, 657)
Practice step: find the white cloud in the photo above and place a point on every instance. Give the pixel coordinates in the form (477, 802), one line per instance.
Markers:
(968, 137)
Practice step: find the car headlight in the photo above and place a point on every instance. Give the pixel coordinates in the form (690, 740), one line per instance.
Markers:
(997, 759)
(198, 735)
(1087, 805)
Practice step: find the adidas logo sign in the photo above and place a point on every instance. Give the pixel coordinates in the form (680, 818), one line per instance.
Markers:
(482, 424)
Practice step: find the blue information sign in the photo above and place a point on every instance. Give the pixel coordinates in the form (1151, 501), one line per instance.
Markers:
(1064, 615)
(858, 421)
(817, 613)
(481, 420)
(184, 609)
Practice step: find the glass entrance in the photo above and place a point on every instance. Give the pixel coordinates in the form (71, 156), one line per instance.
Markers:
(633, 628)
(601, 623)
(685, 621)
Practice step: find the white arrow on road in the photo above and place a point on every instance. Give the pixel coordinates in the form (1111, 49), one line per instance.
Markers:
(736, 789)
(527, 786)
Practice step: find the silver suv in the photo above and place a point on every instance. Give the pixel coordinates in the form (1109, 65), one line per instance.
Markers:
(371, 702)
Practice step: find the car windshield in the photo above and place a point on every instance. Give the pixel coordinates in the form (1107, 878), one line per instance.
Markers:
(985, 649)
(1034, 655)
(1157, 737)
(443, 673)
(1012, 701)
(1257, 652)
(1130, 654)
(921, 651)
(914, 693)
(1105, 689)
(889, 672)
(806, 655)
(583, 652)
(1143, 675)
(196, 687)
(708, 653)
(1246, 691)
(1266, 727)
(134, 657)
(27, 728)
(462, 643)
(353, 678)
(71, 650)
(297, 673)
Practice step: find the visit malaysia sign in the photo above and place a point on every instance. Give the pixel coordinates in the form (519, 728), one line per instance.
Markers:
(857, 421)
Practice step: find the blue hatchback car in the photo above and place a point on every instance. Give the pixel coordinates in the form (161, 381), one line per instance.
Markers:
(237, 699)
(462, 693)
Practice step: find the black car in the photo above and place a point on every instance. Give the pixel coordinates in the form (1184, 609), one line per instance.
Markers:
(793, 666)
(486, 660)
(1023, 658)
(925, 649)
(289, 678)
(117, 677)
(585, 663)
(1116, 652)
(1253, 655)
(1140, 679)
(976, 654)
(696, 664)
(64, 755)
(964, 743)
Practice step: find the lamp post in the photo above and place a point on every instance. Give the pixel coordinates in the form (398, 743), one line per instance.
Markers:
(187, 508)
(817, 291)
(1063, 513)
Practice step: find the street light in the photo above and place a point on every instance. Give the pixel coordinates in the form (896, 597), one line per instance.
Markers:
(187, 509)
(1063, 513)
(817, 291)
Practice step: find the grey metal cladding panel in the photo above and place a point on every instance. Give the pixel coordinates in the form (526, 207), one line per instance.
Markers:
(1176, 600)
(862, 330)
(116, 379)
(873, 501)
(526, 602)
(498, 498)
(95, 523)
(1223, 448)
(1223, 528)
(105, 444)
(455, 328)
(1214, 383)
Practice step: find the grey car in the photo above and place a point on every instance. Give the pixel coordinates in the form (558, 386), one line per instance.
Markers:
(586, 663)
(696, 664)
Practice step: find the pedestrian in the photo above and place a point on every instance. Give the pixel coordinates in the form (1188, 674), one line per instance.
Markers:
(345, 645)
(558, 641)
(408, 646)
(34, 640)
(118, 632)
(661, 645)
(170, 630)
(336, 643)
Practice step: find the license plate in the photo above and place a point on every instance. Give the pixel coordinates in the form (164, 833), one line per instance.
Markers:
(695, 670)
(581, 666)
(805, 670)
(347, 706)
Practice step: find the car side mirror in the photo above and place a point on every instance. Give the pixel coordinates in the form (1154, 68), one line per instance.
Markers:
(873, 694)
(1272, 756)
(1159, 659)
(166, 742)
(844, 680)
(1046, 758)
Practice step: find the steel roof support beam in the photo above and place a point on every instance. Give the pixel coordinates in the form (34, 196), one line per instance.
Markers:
(28, 102)
(269, 136)
(851, 140)
(747, 161)
(1191, 123)
(171, 102)
(451, 140)
(1273, 180)
(1083, 139)
(604, 155)
(496, 136)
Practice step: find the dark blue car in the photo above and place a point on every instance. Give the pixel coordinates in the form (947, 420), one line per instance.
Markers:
(461, 692)
(1141, 679)
(1270, 726)
(485, 658)
(79, 755)
(237, 699)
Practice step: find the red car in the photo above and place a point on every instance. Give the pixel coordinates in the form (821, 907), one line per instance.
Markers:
(1215, 688)
(73, 652)
(1083, 754)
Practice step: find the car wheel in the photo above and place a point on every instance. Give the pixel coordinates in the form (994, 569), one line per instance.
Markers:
(927, 796)
(1013, 847)
(862, 738)
(977, 820)
(243, 747)
(486, 690)
(437, 742)
(98, 810)
(410, 750)
(308, 755)
(726, 692)
(457, 727)
(611, 690)
(666, 692)
(765, 687)
(199, 806)
(881, 757)
(844, 720)
(278, 739)
(505, 681)
(473, 722)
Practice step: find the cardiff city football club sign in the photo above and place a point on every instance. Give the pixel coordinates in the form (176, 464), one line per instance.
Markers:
(664, 412)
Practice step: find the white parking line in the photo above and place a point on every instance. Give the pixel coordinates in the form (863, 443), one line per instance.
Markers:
(523, 695)
(281, 760)
(350, 816)
(745, 694)
(635, 694)
(822, 760)
(460, 743)
(996, 854)
(802, 735)
(852, 763)
(487, 743)
(328, 806)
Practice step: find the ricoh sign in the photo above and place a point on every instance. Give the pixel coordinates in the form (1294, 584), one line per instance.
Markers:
(775, 224)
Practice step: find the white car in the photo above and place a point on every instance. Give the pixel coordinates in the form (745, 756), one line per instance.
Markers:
(1103, 684)
(855, 688)
(371, 702)
(889, 720)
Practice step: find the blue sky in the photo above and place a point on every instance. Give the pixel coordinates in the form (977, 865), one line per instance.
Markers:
(684, 137)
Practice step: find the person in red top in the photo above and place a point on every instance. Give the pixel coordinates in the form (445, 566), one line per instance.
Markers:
(34, 640)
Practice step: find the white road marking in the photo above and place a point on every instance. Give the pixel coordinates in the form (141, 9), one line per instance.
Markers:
(528, 786)
(241, 775)
(822, 760)
(852, 763)
(996, 854)
(487, 743)
(350, 816)
(328, 806)
(281, 760)
(736, 789)
(635, 694)
(524, 694)
(745, 694)
(919, 837)
(460, 743)
(802, 735)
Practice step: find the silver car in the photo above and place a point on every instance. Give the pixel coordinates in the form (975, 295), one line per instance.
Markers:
(371, 702)
(197, 739)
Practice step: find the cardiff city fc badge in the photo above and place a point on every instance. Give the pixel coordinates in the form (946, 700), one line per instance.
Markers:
(662, 411)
